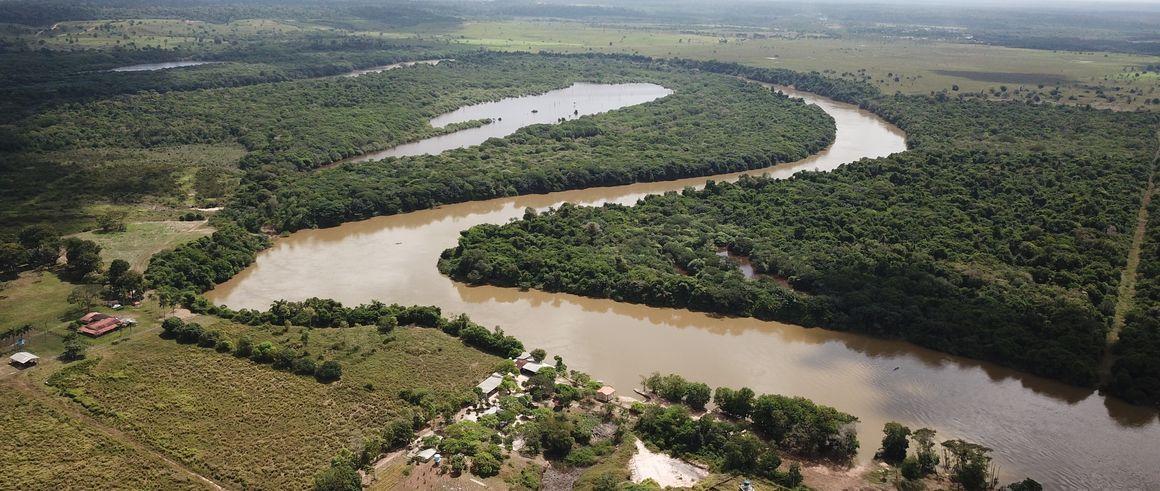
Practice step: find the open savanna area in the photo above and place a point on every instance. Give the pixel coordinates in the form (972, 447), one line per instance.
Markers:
(911, 66)
(248, 425)
(48, 447)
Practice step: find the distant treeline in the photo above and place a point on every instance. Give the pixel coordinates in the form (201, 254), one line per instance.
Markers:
(340, 14)
(36, 80)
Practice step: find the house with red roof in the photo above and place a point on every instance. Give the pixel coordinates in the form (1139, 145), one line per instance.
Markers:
(97, 324)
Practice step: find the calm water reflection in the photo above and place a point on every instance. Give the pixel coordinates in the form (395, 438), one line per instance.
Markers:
(145, 67)
(1062, 436)
(392, 66)
(508, 115)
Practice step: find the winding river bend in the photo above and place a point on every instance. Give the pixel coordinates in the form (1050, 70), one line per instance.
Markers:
(1063, 436)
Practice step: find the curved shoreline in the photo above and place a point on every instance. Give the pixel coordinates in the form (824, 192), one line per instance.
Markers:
(1031, 421)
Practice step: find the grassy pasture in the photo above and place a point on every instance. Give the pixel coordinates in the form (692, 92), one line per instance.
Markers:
(250, 426)
(920, 65)
(45, 448)
(141, 240)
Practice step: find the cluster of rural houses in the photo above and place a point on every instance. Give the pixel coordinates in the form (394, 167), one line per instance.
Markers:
(489, 390)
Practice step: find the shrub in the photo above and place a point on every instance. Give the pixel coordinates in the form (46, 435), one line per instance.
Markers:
(171, 326)
(245, 347)
(911, 469)
(328, 371)
(190, 334)
(209, 339)
(338, 478)
(304, 366)
(284, 358)
(697, 395)
(387, 323)
(398, 433)
(458, 464)
(485, 465)
(581, 457)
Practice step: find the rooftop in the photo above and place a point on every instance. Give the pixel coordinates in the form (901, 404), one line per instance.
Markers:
(100, 327)
(532, 367)
(93, 316)
(490, 383)
(23, 357)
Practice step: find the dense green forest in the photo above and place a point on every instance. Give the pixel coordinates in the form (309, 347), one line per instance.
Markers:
(710, 125)
(36, 80)
(154, 146)
(1136, 371)
(1010, 254)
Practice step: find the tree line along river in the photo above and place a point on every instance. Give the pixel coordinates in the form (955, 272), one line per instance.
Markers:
(1062, 436)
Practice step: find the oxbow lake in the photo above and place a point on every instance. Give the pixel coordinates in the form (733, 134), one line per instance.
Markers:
(506, 116)
(145, 67)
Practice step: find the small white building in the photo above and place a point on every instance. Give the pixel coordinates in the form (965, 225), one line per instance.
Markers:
(425, 454)
(532, 368)
(23, 359)
(490, 385)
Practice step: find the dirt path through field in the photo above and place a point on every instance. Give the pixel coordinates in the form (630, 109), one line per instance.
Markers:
(1127, 289)
(22, 384)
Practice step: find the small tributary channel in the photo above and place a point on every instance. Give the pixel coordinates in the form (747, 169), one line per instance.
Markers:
(1063, 436)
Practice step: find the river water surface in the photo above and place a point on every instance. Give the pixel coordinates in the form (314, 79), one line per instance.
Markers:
(1065, 437)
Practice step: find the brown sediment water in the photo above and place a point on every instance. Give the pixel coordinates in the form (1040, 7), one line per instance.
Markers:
(1063, 436)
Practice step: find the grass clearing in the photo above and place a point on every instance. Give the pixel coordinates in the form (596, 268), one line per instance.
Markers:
(40, 298)
(45, 448)
(141, 240)
(249, 425)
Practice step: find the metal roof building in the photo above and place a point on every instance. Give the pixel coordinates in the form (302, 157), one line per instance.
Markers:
(24, 358)
(490, 384)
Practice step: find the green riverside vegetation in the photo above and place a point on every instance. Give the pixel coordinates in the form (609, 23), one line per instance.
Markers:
(1000, 236)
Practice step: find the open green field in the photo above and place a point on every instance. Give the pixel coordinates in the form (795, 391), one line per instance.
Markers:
(141, 240)
(921, 66)
(46, 448)
(41, 299)
(251, 426)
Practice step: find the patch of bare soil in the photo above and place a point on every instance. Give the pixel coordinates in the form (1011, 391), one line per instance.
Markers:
(666, 471)
(556, 479)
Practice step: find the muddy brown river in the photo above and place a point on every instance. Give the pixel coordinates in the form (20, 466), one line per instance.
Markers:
(1064, 437)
